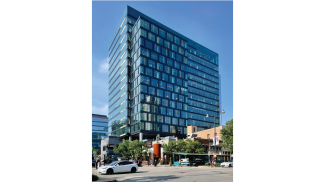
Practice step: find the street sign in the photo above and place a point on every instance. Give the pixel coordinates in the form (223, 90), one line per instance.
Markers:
(215, 155)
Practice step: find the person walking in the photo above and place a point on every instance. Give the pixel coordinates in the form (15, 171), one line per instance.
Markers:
(96, 162)
(99, 161)
(148, 163)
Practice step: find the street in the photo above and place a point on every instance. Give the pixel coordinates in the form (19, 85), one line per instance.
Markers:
(186, 174)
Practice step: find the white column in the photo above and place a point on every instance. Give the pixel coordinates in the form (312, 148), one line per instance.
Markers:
(140, 136)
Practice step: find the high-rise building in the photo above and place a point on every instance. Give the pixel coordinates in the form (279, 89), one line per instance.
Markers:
(99, 130)
(159, 80)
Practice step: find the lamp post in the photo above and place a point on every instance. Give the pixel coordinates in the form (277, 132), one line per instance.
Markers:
(214, 126)
(222, 112)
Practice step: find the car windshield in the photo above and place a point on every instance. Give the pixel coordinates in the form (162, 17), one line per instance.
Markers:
(113, 163)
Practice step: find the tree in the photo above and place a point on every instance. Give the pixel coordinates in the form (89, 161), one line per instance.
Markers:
(123, 149)
(227, 135)
(187, 146)
(170, 147)
(133, 149)
(193, 147)
(180, 146)
(138, 149)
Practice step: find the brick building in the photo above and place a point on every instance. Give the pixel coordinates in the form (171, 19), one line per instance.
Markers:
(204, 137)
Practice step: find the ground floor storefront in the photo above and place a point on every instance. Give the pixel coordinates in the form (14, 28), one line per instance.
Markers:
(198, 159)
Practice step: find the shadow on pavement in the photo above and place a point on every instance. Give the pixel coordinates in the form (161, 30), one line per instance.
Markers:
(126, 173)
(151, 178)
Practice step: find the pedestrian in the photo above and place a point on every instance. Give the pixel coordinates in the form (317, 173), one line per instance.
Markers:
(99, 161)
(148, 162)
(151, 162)
(155, 163)
(213, 162)
(180, 162)
(96, 162)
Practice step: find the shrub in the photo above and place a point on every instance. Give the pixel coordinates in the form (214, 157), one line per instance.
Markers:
(206, 164)
(95, 178)
(217, 165)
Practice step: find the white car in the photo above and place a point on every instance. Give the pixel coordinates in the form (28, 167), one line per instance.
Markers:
(118, 167)
(226, 164)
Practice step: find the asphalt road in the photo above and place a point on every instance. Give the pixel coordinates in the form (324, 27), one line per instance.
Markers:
(170, 174)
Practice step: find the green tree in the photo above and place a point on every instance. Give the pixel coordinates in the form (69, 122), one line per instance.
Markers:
(193, 147)
(123, 149)
(170, 147)
(138, 149)
(227, 135)
(180, 146)
(131, 150)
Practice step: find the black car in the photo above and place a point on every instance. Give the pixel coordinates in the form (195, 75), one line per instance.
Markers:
(199, 162)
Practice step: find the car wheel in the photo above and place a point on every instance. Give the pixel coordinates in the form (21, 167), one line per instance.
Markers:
(229, 165)
(109, 171)
(133, 170)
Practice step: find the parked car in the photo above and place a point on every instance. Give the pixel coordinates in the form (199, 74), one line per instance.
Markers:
(199, 161)
(226, 164)
(118, 167)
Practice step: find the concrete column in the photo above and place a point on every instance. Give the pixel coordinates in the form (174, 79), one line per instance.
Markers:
(130, 138)
(140, 136)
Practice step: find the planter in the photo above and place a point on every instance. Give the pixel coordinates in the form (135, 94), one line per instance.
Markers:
(94, 177)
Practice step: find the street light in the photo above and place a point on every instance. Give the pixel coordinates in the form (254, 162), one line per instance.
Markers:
(214, 117)
(214, 126)
(222, 112)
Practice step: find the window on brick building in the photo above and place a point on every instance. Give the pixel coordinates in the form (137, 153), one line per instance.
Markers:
(208, 135)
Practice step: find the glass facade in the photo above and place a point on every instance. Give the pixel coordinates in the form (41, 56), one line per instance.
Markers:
(99, 129)
(159, 80)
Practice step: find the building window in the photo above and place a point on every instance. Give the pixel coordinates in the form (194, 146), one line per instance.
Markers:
(154, 28)
(208, 136)
(193, 129)
(169, 36)
(165, 128)
(167, 120)
(162, 33)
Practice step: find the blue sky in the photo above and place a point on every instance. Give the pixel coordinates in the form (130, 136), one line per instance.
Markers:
(208, 23)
